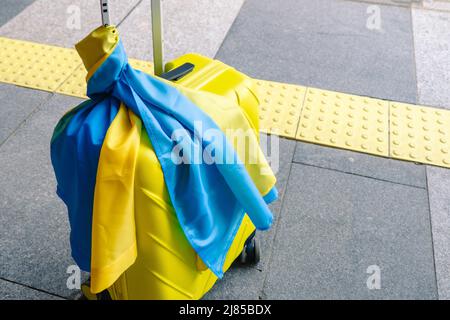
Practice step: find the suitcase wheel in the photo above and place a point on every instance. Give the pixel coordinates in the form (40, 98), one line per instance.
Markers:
(251, 254)
(88, 295)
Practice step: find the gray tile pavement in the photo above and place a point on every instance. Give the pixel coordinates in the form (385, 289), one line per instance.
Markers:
(325, 44)
(10, 8)
(34, 246)
(63, 22)
(239, 283)
(194, 25)
(439, 194)
(335, 225)
(401, 172)
(13, 291)
(189, 26)
(17, 104)
(432, 51)
(295, 31)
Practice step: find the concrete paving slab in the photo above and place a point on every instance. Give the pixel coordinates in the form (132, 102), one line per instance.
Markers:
(17, 104)
(245, 283)
(62, 23)
(335, 226)
(239, 283)
(439, 193)
(407, 173)
(432, 44)
(10, 8)
(325, 44)
(189, 26)
(432, 50)
(13, 291)
(280, 159)
(34, 236)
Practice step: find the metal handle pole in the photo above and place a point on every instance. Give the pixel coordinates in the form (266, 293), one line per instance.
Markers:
(105, 12)
(157, 30)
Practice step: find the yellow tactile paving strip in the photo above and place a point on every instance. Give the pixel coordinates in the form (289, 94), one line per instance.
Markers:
(281, 105)
(420, 134)
(384, 128)
(33, 65)
(345, 121)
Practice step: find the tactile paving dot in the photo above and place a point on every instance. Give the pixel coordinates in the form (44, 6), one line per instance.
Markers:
(35, 65)
(345, 121)
(280, 107)
(420, 134)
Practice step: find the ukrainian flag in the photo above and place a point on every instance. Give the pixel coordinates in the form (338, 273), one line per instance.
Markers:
(95, 152)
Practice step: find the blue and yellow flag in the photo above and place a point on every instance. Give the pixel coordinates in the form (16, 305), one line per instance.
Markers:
(208, 177)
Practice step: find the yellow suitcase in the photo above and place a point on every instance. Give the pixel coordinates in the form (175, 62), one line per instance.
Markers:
(167, 267)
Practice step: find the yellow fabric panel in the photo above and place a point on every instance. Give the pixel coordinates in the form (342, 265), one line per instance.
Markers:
(113, 227)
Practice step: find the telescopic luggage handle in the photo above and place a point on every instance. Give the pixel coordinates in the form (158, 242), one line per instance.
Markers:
(157, 31)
